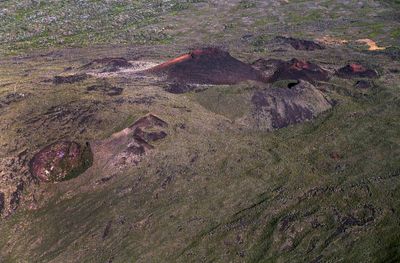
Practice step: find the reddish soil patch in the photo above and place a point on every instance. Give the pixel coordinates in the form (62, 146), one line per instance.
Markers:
(108, 64)
(355, 70)
(61, 161)
(297, 69)
(300, 44)
(207, 66)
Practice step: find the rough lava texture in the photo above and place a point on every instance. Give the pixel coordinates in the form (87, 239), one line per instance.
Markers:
(275, 108)
(69, 79)
(364, 84)
(267, 66)
(298, 69)
(356, 70)
(105, 89)
(14, 178)
(179, 88)
(1, 202)
(61, 161)
(107, 64)
(207, 66)
(300, 44)
(128, 146)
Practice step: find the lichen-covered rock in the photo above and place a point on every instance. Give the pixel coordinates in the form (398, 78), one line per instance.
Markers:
(61, 161)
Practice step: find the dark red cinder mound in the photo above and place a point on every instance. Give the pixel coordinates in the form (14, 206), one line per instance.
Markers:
(207, 66)
(356, 71)
(297, 69)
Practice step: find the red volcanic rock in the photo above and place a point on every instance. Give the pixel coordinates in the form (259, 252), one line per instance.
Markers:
(335, 156)
(355, 70)
(297, 69)
(207, 66)
(61, 161)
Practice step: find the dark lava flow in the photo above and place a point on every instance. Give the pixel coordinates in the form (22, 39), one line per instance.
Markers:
(300, 44)
(69, 79)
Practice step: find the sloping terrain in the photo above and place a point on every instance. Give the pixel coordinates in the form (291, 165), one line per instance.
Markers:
(199, 131)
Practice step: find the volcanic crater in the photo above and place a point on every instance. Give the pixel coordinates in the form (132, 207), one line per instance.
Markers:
(61, 161)
(207, 66)
(276, 108)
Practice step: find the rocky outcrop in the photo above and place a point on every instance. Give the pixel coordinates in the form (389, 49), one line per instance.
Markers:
(107, 64)
(14, 178)
(299, 44)
(105, 89)
(275, 108)
(129, 146)
(12, 98)
(2, 202)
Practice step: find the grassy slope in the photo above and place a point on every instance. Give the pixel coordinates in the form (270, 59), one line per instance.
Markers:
(210, 191)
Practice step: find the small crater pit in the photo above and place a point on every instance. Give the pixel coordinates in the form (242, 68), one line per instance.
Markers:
(61, 161)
